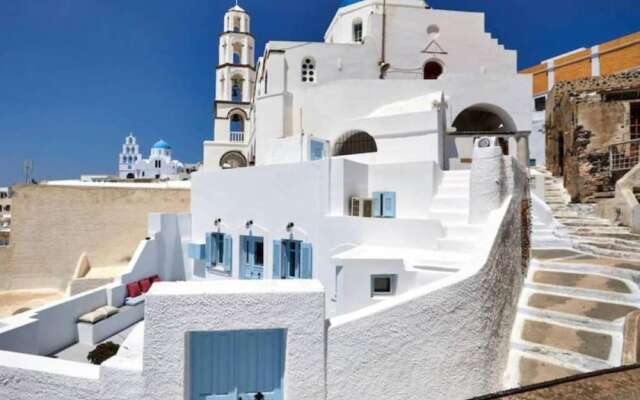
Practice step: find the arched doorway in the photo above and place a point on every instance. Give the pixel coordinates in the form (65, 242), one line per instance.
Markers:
(355, 142)
(483, 118)
(233, 159)
(130, 176)
(432, 70)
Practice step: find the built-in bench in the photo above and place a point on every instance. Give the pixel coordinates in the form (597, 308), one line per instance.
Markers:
(93, 333)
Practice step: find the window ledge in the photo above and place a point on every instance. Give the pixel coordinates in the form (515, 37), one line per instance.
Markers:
(218, 271)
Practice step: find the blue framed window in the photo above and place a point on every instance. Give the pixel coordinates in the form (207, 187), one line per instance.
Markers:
(316, 149)
(384, 204)
(218, 251)
(292, 259)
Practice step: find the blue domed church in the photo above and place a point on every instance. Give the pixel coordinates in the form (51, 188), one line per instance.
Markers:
(159, 165)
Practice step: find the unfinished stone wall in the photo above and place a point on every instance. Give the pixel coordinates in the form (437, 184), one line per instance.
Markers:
(581, 125)
(53, 225)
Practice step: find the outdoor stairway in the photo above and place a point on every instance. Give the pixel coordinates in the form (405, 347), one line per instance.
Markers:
(579, 288)
(451, 206)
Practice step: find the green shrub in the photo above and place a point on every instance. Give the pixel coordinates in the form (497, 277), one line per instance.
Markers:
(102, 353)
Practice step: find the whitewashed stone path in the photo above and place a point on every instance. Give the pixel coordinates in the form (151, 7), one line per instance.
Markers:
(580, 286)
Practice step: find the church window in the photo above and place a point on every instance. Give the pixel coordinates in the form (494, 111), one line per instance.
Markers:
(432, 70)
(357, 30)
(541, 103)
(236, 24)
(236, 123)
(237, 53)
(236, 89)
(309, 70)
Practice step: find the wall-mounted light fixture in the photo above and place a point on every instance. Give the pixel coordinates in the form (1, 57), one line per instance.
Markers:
(217, 222)
(249, 224)
(290, 226)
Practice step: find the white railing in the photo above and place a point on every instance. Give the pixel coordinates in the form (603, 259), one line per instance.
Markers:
(236, 136)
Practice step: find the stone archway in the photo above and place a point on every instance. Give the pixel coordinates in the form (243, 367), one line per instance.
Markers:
(233, 159)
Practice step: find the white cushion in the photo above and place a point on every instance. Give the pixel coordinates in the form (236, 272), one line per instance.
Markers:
(98, 314)
(133, 301)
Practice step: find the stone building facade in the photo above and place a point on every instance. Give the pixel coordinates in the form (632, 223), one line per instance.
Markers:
(590, 127)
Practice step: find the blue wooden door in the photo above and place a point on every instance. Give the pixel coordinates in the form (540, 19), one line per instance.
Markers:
(259, 364)
(210, 355)
(236, 365)
(251, 257)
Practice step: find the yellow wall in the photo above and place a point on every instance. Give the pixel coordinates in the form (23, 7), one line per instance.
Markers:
(53, 225)
(616, 56)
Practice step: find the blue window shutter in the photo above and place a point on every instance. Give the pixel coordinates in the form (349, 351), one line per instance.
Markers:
(210, 251)
(197, 251)
(228, 249)
(277, 259)
(389, 204)
(377, 204)
(191, 250)
(306, 262)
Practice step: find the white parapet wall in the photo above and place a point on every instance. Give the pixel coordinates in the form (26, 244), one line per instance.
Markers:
(444, 341)
(174, 309)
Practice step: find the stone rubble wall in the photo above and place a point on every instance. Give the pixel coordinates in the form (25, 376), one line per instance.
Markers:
(584, 125)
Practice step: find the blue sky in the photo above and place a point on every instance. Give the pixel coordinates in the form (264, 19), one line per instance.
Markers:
(77, 75)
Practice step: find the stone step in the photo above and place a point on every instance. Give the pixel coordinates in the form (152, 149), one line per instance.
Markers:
(453, 190)
(616, 233)
(463, 230)
(592, 344)
(532, 371)
(562, 357)
(571, 320)
(450, 216)
(460, 244)
(584, 281)
(606, 311)
(442, 201)
(607, 252)
(612, 244)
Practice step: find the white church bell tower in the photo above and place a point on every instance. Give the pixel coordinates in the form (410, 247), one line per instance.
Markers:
(235, 78)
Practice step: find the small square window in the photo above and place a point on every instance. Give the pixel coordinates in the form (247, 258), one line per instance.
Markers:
(383, 285)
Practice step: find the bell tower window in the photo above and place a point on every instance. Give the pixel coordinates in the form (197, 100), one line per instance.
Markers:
(357, 30)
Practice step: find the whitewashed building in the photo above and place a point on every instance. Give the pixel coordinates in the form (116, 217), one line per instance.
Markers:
(375, 249)
(159, 165)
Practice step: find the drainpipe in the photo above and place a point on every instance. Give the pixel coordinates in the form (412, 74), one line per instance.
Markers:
(382, 63)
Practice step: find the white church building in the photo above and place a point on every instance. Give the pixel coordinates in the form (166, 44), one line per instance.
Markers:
(159, 165)
(373, 247)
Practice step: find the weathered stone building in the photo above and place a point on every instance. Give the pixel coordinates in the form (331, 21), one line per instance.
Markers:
(593, 132)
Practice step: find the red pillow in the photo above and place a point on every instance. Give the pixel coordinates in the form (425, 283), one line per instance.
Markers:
(155, 279)
(133, 289)
(145, 285)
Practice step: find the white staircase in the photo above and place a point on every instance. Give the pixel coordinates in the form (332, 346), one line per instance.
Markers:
(451, 207)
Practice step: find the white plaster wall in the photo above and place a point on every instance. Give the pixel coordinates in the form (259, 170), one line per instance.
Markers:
(414, 184)
(51, 328)
(407, 38)
(314, 196)
(412, 131)
(173, 309)
(354, 297)
(429, 340)
(28, 377)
